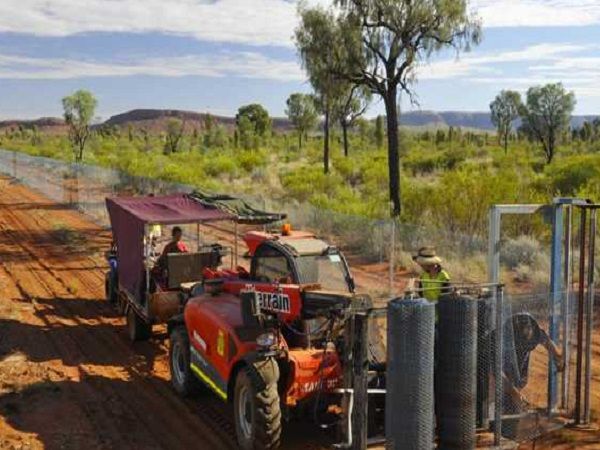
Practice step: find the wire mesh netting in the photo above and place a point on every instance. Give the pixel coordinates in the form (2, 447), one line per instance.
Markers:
(379, 252)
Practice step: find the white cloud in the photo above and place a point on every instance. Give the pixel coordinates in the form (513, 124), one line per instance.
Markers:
(472, 64)
(260, 22)
(254, 22)
(538, 13)
(241, 64)
(538, 64)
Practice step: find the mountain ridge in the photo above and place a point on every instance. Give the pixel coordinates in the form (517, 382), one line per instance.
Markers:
(156, 120)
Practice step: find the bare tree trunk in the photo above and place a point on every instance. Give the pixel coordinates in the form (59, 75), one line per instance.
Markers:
(391, 109)
(506, 144)
(326, 141)
(551, 145)
(299, 139)
(345, 133)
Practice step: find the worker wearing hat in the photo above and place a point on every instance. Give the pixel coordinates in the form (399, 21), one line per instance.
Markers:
(434, 280)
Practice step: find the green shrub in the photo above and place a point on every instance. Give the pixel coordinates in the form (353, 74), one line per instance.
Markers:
(251, 160)
(569, 176)
(522, 251)
(219, 165)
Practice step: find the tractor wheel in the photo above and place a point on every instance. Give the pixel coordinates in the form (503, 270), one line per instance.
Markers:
(137, 329)
(183, 380)
(257, 413)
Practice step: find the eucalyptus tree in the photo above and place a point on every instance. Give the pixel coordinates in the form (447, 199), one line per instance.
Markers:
(302, 113)
(258, 117)
(350, 107)
(382, 44)
(504, 111)
(79, 109)
(547, 114)
(315, 38)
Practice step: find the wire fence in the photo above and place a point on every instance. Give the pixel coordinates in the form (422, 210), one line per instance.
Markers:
(538, 394)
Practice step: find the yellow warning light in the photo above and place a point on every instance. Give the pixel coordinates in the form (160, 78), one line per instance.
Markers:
(286, 229)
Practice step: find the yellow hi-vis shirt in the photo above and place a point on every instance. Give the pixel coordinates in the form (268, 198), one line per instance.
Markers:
(432, 286)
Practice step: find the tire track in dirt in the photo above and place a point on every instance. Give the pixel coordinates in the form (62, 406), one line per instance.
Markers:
(207, 407)
(33, 286)
(179, 436)
(69, 344)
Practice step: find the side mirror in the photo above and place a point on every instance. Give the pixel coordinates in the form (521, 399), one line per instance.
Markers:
(351, 284)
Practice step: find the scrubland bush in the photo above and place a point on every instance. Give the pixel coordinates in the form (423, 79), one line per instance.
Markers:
(251, 160)
(530, 264)
(527, 274)
(220, 165)
(471, 269)
(523, 250)
(568, 177)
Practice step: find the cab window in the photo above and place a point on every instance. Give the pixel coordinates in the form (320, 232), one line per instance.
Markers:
(271, 265)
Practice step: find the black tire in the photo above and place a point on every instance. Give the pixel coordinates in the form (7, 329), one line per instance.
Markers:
(137, 328)
(183, 380)
(257, 412)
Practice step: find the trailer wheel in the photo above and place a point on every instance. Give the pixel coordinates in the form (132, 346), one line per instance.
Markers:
(121, 304)
(257, 413)
(137, 329)
(183, 380)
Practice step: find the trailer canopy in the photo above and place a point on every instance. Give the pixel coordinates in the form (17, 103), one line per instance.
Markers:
(129, 215)
(168, 209)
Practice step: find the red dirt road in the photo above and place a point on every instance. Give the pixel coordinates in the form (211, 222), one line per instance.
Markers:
(69, 377)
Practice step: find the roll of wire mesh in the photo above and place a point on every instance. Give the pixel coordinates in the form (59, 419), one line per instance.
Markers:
(456, 372)
(409, 404)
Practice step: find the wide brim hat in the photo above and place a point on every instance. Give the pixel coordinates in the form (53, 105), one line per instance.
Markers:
(426, 256)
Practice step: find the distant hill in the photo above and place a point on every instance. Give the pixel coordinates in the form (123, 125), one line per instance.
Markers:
(155, 120)
(478, 120)
(44, 125)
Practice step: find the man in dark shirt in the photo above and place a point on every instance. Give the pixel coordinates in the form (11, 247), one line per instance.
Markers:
(522, 335)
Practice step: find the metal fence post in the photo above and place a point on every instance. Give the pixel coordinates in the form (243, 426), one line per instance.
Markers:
(494, 245)
(494, 277)
(580, 312)
(498, 358)
(566, 307)
(360, 369)
(589, 318)
(555, 297)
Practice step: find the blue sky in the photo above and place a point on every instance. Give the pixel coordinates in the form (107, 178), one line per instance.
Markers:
(215, 55)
